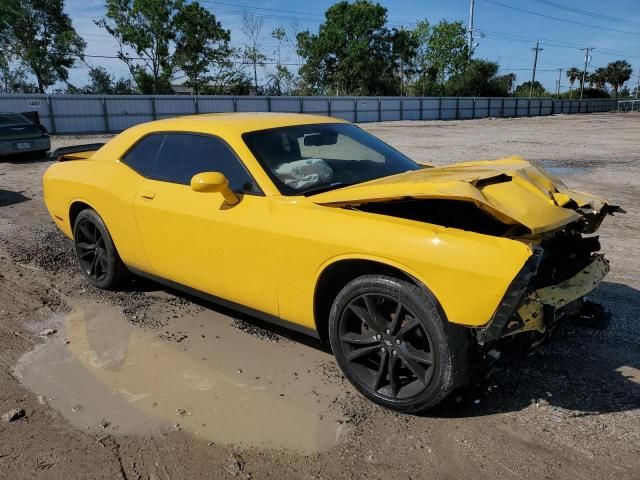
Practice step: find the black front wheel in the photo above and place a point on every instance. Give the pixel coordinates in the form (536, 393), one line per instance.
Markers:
(393, 345)
(96, 253)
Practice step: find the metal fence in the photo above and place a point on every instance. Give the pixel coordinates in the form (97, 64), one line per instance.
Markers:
(629, 105)
(108, 114)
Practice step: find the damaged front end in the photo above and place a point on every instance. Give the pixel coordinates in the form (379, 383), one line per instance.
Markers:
(507, 198)
(564, 268)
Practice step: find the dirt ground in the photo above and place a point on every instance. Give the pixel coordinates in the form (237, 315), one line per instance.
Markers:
(148, 383)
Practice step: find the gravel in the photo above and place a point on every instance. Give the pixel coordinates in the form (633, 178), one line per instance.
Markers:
(46, 248)
(570, 409)
(257, 331)
(43, 246)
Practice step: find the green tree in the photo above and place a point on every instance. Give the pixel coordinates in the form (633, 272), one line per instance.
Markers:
(14, 80)
(200, 44)
(510, 81)
(279, 34)
(441, 52)
(424, 79)
(404, 48)
(41, 37)
(617, 73)
(479, 79)
(101, 82)
(598, 78)
(229, 79)
(281, 79)
(524, 89)
(352, 53)
(573, 74)
(448, 53)
(252, 27)
(147, 28)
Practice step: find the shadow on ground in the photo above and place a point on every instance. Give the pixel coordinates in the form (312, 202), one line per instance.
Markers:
(582, 370)
(29, 157)
(8, 197)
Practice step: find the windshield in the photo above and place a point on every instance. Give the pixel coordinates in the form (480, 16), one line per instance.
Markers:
(306, 159)
(12, 119)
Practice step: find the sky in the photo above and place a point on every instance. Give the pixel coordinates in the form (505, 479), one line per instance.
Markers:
(505, 30)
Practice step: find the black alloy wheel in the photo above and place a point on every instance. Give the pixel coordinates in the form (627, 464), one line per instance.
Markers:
(393, 345)
(386, 345)
(91, 250)
(96, 253)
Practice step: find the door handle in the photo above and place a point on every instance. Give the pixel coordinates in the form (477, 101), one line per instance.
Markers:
(148, 195)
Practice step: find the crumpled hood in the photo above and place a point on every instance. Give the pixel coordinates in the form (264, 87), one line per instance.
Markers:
(511, 189)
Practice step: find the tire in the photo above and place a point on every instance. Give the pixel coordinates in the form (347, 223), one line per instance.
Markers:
(427, 355)
(97, 255)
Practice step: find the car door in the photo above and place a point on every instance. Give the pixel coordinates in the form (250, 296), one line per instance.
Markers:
(198, 240)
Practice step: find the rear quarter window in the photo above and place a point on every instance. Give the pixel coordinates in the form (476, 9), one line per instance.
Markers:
(142, 157)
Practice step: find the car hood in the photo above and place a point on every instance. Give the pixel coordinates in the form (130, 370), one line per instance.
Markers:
(511, 190)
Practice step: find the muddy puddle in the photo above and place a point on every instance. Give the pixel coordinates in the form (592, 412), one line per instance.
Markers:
(198, 374)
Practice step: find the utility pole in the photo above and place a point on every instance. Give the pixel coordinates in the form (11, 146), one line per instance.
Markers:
(584, 72)
(638, 85)
(470, 29)
(535, 65)
(558, 83)
(401, 68)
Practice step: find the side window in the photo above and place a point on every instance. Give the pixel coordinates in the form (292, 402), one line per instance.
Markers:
(183, 155)
(143, 155)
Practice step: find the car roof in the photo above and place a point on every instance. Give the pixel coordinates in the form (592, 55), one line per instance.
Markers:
(241, 121)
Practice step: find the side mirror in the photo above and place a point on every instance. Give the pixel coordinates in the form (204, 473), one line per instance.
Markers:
(214, 182)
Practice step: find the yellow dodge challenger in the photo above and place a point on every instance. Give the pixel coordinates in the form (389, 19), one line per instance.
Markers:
(313, 223)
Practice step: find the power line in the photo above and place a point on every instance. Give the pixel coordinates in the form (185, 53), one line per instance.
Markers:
(234, 62)
(262, 8)
(588, 13)
(599, 27)
(317, 18)
(115, 45)
(548, 42)
(526, 69)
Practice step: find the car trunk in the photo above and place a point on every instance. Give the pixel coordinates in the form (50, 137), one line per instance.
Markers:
(20, 131)
(76, 152)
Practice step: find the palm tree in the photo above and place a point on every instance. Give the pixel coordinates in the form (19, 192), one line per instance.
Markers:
(573, 74)
(617, 73)
(598, 79)
(511, 81)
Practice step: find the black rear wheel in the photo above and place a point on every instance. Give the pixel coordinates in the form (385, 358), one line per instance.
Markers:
(96, 253)
(392, 344)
